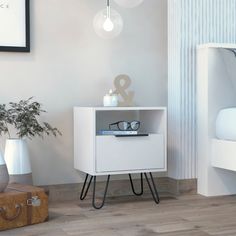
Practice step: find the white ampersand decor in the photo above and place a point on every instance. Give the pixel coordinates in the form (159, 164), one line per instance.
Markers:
(122, 83)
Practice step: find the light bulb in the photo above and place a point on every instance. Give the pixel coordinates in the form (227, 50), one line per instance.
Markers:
(108, 25)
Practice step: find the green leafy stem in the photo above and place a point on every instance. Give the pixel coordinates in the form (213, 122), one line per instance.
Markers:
(23, 116)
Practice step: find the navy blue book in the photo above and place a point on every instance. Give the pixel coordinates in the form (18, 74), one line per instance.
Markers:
(117, 132)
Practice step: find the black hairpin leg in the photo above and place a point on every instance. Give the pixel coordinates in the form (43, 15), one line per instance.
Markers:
(132, 185)
(105, 193)
(84, 194)
(154, 189)
(151, 185)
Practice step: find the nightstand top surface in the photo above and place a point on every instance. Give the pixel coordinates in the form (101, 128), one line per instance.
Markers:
(120, 108)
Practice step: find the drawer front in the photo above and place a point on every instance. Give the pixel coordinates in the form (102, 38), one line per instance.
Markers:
(130, 153)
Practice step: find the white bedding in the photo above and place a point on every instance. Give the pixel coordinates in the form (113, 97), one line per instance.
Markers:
(226, 124)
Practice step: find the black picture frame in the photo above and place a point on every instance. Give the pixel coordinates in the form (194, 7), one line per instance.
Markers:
(25, 48)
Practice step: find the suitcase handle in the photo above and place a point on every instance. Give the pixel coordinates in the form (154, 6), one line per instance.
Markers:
(3, 213)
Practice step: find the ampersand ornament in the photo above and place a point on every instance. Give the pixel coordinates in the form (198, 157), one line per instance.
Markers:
(122, 83)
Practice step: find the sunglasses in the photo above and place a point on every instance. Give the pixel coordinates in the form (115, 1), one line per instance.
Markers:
(125, 125)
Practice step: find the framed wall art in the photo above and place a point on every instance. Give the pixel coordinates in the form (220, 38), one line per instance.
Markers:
(14, 25)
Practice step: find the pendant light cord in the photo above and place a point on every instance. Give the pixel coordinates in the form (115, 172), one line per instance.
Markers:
(108, 9)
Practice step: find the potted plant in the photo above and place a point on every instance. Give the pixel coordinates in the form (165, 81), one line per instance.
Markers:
(24, 118)
(4, 176)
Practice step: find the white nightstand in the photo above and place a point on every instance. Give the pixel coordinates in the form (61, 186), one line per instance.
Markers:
(110, 155)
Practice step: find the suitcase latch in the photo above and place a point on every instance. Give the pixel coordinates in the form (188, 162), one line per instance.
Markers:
(34, 201)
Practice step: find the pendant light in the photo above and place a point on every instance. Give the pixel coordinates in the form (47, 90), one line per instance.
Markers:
(108, 23)
(128, 3)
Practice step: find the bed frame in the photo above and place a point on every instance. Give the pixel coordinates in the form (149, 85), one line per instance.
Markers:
(216, 90)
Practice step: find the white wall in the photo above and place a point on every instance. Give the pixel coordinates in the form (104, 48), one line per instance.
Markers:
(190, 23)
(69, 65)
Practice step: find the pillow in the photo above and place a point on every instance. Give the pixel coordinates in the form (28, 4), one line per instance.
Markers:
(226, 124)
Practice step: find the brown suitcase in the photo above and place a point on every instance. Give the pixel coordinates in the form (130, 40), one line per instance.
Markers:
(22, 205)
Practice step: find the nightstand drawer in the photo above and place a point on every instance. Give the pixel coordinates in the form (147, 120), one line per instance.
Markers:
(129, 153)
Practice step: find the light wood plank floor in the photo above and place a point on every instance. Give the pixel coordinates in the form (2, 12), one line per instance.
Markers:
(183, 216)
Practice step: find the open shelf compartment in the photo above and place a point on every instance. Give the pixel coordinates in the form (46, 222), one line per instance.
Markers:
(151, 121)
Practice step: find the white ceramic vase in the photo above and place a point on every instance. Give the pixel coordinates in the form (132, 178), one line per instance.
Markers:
(4, 176)
(18, 161)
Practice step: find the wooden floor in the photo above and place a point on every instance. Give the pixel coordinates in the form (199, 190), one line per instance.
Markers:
(183, 216)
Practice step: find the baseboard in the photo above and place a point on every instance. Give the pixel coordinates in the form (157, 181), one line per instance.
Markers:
(182, 186)
(70, 192)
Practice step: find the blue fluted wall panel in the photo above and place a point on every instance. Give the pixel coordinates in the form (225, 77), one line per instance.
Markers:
(190, 23)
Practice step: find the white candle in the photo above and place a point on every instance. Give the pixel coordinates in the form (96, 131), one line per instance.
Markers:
(110, 100)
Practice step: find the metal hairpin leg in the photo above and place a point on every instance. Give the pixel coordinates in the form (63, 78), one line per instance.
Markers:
(141, 186)
(151, 185)
(84, 194)
(105, 192)
(154, 189)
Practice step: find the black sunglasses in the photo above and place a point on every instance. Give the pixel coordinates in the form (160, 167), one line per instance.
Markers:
(125, 125)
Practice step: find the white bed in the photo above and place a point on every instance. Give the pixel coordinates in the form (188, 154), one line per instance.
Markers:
(216, 146)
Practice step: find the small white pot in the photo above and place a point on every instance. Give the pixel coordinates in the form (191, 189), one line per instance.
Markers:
(4, 176)
(18, 161)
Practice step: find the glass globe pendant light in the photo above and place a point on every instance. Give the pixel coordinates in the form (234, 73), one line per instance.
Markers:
(108, 23)
(128, 3)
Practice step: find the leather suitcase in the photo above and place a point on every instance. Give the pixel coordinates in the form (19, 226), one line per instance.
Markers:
(22, 205)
